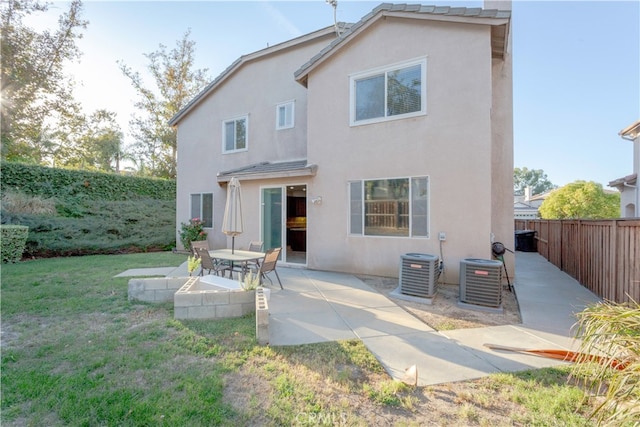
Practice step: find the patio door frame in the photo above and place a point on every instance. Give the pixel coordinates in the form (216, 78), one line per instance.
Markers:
(283, 219)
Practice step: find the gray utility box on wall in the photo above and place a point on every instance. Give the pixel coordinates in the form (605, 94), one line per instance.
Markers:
(481, 282)
(419, 275)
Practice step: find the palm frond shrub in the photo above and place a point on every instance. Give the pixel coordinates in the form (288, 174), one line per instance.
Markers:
(612, 331)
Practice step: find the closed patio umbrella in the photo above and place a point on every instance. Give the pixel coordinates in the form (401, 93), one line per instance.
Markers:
(232, 221)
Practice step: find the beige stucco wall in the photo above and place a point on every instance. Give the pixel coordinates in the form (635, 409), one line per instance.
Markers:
(502, 152)
(452, 144)
(254, 90)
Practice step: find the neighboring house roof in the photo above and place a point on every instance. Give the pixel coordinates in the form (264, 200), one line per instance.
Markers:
(244, 59)
(631, 132)
(496, 18)
(629, 180)
(522, 205)
(265, 170)
(522, 210)
(541, 196)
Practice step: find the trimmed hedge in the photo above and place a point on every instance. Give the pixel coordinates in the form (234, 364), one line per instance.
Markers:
(13, 242)
(47, 182)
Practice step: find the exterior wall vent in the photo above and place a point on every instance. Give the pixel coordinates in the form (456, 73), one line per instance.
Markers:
(481, 282)
(419, 275)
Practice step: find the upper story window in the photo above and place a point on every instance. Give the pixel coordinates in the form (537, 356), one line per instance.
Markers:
(389, 93)
(234, 134)
(285, 115)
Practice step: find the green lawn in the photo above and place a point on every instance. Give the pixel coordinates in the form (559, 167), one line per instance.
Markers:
(75, 351)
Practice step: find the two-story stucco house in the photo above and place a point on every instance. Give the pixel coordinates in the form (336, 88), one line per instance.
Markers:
(356, 147)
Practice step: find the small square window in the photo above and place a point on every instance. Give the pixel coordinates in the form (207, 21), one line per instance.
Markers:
(285, 115)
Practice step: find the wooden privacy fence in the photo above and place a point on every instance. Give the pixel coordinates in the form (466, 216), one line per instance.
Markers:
(391, 214)
(603, 255)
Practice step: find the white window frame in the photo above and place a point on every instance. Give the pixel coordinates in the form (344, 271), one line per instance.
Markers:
(291, 105)
(353, 78)
(361, 215)
(201, 213)
(224, 134)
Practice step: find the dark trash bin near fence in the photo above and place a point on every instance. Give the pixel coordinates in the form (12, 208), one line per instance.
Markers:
(526, 241)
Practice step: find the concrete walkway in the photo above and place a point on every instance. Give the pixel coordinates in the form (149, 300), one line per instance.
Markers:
(317, 306)
(320, 306)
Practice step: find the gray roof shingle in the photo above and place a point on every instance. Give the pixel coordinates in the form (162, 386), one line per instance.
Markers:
(390, 8)
(269, 169)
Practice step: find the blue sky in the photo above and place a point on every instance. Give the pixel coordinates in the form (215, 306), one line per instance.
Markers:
(576, 65)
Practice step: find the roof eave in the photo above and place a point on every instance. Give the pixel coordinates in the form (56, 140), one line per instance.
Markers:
(309, 170)
(240, 62)
(631, 132)
(301, 75)
(625, 180)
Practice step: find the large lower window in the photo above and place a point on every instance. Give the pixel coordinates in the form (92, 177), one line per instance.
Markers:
(202, 207)
(389, 207)
(393, 92)
(234, 134)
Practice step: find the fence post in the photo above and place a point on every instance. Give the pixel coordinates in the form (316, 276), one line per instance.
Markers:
(614, 261)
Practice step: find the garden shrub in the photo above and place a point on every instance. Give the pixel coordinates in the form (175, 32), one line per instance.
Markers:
(73, 212)
(13, 242)
(192, 232)
(106, 227)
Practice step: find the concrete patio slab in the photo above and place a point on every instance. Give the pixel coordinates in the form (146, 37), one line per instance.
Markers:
(438, 359)
(474, 340)
(284, 301)
(317, 306)
(357, 298)
(380, 321)
(548, 300)
(314, 327)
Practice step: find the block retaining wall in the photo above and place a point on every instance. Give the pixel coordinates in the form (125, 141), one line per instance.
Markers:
(262, 317)
(193, 304)
(156, 289)
(211, 304)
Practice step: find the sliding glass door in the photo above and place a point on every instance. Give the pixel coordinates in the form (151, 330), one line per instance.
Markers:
(284, 221)
(272, 208)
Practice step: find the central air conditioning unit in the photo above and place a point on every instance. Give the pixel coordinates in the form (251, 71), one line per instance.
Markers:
(419, 275)
(481, 282)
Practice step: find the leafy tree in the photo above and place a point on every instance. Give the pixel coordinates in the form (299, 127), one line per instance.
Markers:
(581, 200)
(97, 145)
(36, 94)
(534, 178)
(176, 83)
